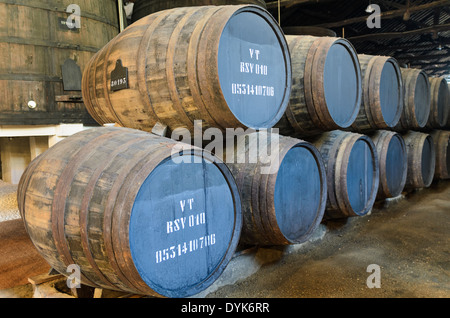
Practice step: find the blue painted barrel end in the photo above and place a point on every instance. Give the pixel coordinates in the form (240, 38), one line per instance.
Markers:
(362, 176)
(255, 68)
(300, 193)
(184, 225)
(391, 96)
(396, 162)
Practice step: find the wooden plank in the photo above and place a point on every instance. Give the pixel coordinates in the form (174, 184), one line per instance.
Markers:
(44, 278)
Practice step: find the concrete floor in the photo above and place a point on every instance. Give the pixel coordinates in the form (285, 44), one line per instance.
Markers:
(408, 238)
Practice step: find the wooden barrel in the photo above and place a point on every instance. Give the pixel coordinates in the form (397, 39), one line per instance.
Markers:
(133, 211)
(416, 108)
(308, 30)
(441, 139)
(448, 106)
(326, 86)
(421, 159)
(382, 101)
(283, 195)
(352, 168)
(43, 59)
(143, 8)
(393, 163)
(440, 103)
(228, 66)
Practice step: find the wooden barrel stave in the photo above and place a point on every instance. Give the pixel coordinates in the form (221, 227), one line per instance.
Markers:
(417, 98)
(352, 187)
(421, 159)
(441, 139)
(440, 103)
(143, 8)
(382, 101)
(392, 158)
(80, 200)
(283, 200)
(316, 105)
(174, 79)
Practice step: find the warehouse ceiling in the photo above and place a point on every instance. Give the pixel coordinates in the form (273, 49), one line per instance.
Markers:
(415, 32)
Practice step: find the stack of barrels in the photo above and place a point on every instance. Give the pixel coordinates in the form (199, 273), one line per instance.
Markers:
(305, 130)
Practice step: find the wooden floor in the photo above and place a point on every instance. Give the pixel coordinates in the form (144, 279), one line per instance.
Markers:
(19, 259)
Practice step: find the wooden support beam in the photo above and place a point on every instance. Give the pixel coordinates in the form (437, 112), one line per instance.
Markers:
(393, 35)
(388, 14)
(427, 57)
(290, 3)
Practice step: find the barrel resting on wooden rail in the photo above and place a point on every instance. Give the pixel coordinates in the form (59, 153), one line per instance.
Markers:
(101, 199)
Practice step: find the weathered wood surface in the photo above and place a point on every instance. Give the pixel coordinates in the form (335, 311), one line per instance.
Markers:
(393, 163)
(441, 139)
(283, 192)
(113, 202)
(228, 66)
(351, 163)
(421, 159)
(417, 99)
(34, 44)
(143, 8)
(382, 101)
(326, 86)
(440, 103)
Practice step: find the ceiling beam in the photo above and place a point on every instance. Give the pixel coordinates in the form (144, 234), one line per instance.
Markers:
(290, 3)
(392, 35)
(388, 14)
(427, 57)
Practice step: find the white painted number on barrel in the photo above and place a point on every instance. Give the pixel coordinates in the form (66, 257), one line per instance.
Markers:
(256, 69)
(183, 223)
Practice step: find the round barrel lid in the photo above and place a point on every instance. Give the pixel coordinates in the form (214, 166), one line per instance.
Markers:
(396, 160)
(428, 161)
(422, 99)
(443, 104)
(360, 176)
(184, 226)
(300, 193)
(342, 83)
(391, 100)
(254, 68)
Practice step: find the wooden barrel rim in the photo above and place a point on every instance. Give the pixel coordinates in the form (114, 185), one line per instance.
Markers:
(323, 192)
(373, 102)
(427, 179)
(131, 195)
(383, 146)
(284, 50)
(314, 82)
(344, 203)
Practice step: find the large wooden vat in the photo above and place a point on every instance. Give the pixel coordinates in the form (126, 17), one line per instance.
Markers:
(421, 159)
(283, 188)
(35, 43)
(228, 66)
(326, 86)
(133, 210)
(143, 8)
(382, 101)
(440, 103)
(351, 164)
(393, 163)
